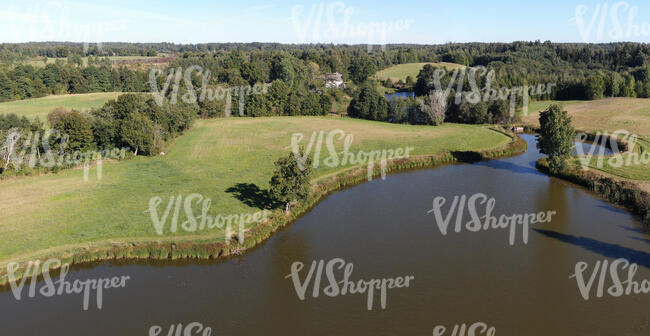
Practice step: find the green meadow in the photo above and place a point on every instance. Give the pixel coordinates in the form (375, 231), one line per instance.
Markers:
(40, 107)
(401, 71)
(229, 161)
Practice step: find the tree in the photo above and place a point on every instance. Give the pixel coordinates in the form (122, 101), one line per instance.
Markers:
(595, 88)
(499, 111)
(278, 93)
(627, 90)
(55, 115)
(137, 132)
(211, 108)
(474, 113)
(76, 60)
(556, 137)
(253, 73)
(433, 106)
(282, 68)
(613, 84)
(290, 181)
(6, 88)
(77, 128)
(10, 140)
(424, 83)
(361, 68)
(258, 106)
(368, 104)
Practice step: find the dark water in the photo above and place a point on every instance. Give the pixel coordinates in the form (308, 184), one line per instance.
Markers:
(399, 95)
(383, 228)
(589, 148)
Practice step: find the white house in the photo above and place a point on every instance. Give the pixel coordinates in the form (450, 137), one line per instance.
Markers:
(334, 80)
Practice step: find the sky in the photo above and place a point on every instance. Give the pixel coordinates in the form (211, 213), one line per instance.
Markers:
(352, 22)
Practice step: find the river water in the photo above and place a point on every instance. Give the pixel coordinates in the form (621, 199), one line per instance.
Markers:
(384, 229)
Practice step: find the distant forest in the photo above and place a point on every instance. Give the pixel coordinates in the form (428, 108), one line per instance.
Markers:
(581, 71)
(294, 75)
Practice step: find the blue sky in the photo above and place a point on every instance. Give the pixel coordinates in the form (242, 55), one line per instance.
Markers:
(362, 21)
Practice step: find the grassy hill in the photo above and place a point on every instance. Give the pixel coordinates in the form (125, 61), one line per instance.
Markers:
(40, 107)
(226, 160)
(401, 71)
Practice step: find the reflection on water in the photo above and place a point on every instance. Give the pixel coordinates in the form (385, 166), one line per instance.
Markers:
(390, 96)
(590, 148)
(383, 228)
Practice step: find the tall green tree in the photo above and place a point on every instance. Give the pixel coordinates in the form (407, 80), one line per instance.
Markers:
(137, 132)
(361, 68)
(433, 107)
(291, 179)
(77, 128)
(368, 104)
(556, 137)
(595, 88)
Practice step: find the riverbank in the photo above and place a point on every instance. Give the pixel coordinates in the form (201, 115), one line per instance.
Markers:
(625, 184)
(213, 246)
(618, 189)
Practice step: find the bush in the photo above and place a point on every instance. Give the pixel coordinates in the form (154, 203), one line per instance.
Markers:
(76, 127)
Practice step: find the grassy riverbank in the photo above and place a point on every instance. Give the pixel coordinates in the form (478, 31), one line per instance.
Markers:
(609, 115)
(628, 184)
(228, 160)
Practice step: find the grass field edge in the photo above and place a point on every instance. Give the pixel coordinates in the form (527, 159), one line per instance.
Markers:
(214, 247)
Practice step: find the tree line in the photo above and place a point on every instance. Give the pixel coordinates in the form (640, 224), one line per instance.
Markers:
(581, 71)
(133, 121)
(27, 81)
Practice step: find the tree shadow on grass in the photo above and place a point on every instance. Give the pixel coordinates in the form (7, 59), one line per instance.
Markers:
(253, 196)
(606, 249)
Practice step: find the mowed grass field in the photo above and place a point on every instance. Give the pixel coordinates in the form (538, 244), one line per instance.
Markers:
(48, 213)
(401, 71)
(40, 107)
(612, 114)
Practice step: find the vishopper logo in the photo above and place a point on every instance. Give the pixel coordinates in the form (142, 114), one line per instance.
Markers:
(334, 23)
(173, 78)
(345, 157)
(484, 220)
(52, 21)
(203, 221)
(332, 270)
(611, 140)
(487, 93)
(609, 23)
(474, 329)
(61, 286)
(31, 156)
(193, 328)
(603, 270)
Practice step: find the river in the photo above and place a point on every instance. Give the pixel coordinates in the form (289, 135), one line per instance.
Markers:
(384, 229)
